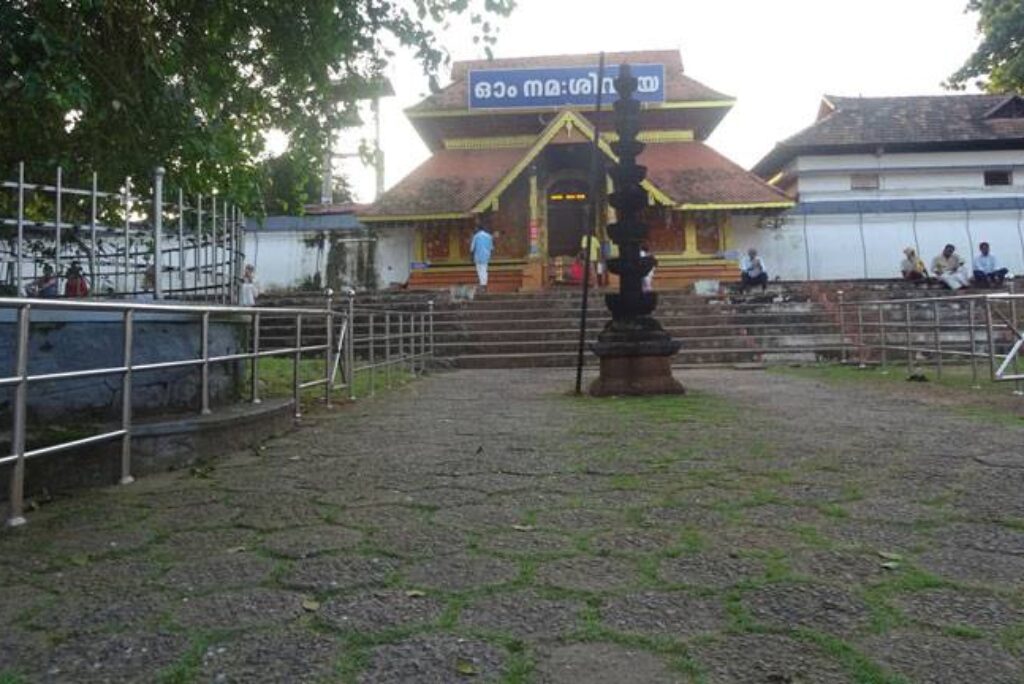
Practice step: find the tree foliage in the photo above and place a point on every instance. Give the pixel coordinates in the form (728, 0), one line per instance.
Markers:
(122, 86)
(998, 63)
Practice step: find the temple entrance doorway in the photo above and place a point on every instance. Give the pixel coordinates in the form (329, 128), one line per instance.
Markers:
(567, 213)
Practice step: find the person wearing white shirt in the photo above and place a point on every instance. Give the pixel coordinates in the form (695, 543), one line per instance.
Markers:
(248, 291)
(986, 269)
(950, 269)
(753, 271)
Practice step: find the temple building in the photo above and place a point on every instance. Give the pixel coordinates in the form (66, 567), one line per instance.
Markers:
(511, 143)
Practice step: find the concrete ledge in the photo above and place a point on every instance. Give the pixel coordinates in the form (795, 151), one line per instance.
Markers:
(157, 446)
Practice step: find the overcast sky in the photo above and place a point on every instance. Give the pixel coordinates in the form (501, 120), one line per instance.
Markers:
(776, 58)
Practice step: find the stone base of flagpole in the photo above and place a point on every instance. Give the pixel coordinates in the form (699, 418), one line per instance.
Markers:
(636, 360)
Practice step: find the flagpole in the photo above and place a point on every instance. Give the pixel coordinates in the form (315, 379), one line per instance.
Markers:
(595, 208)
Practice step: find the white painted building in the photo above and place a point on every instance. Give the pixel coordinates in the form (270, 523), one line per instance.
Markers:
(875, 175)
(328, 247)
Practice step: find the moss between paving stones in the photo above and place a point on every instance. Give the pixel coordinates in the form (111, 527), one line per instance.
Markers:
(291, 655)
(381, 611)
(943, 659)
(243, 609)
(524, 615)
(331, 573)
(576, 527)
(952, 608)
(436, 658)
(460, 572)
(603, 663)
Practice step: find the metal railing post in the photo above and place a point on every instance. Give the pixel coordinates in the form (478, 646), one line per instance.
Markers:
(296, 363)
(200, 249)
(255, 374)
(204, 390)
(126, 399)
(860, 335)
(387, 348)
(938, 340)
(93, 201)
(910, 346)
(21, 229)
(16, 515)
(372, 354)
(973, 342)
(1018, 388)
(842, 326)
(181, 241)
(401, 341)
(882, 337)
(423, 342)
(158, 227)
(430, 309)
(328, 346)
(56, 230)
(991, 338)
(350, 345)
(127, 234)
(213, 251)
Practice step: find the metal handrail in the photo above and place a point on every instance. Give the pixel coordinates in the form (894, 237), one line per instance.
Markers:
(345, 358)
(874, 336)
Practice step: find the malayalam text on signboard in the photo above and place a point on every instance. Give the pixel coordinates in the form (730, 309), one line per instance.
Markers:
(558, 86)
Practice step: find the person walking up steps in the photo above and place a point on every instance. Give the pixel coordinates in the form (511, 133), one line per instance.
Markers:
(481, 247)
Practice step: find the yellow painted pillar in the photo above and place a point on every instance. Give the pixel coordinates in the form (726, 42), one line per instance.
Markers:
(533, 270)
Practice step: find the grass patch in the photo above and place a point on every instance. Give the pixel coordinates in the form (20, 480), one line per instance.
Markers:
(186, 669)
(276, 379)
(1011, 638)
(956, 381)
(860, 668)
(8, 677)
(694, 407)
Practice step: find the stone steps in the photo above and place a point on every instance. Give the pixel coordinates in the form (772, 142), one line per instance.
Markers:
(790, 322)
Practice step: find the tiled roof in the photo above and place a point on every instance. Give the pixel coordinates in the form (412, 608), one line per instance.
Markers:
(450, 182)
(678, 86)
(856, 123)
(693, 173)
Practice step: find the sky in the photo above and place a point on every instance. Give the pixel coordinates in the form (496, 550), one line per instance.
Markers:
(776, 58)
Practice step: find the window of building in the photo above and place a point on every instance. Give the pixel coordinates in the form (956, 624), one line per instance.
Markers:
(998, 178)
(865, 181)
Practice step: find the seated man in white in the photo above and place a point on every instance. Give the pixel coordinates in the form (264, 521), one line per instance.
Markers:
(986, 269)
(950, 269)
(753, 272)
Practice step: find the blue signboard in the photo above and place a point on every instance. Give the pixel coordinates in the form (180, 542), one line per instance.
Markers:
(558, 86)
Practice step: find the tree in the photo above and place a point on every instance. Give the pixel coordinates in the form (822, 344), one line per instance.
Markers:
(997, 65)
(288, 185)
(121, 86)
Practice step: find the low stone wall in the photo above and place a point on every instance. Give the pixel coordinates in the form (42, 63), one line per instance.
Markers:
(157, 446)
(63, 341)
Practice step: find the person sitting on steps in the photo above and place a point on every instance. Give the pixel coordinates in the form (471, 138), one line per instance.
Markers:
(949, 268)
(986, 269)
(753, 272)
(913, 268)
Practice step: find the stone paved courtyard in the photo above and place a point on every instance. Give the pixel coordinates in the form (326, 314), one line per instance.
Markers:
(487, 527)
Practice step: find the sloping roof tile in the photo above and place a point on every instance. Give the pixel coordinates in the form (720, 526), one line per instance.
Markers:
(450, 182)
(693, 173)
(866, 122)
(678, 86)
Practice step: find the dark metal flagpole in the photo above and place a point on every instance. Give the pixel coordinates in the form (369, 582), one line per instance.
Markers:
(595, 208)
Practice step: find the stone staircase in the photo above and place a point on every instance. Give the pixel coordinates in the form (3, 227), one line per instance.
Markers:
(527, 331)
(792, 322)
